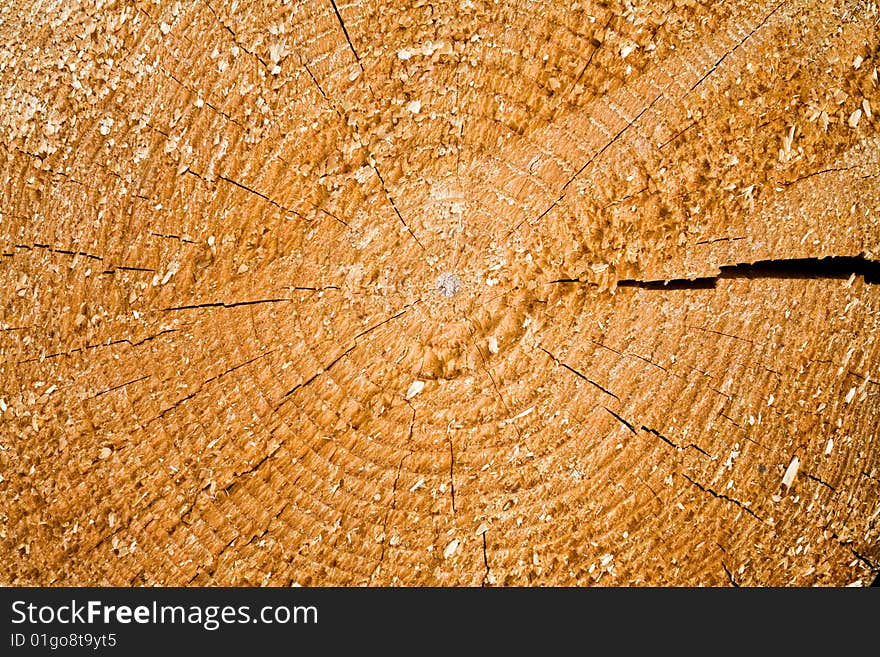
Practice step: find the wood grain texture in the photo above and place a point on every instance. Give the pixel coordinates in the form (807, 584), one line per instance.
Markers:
(231, 353)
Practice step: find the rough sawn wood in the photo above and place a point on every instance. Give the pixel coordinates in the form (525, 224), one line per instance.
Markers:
(372, 293)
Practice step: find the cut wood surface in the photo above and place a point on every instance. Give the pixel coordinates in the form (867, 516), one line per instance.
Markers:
(439, 293)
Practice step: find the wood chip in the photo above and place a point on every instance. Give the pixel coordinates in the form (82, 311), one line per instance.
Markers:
(414, 388)
(854, 118)
(791, 472)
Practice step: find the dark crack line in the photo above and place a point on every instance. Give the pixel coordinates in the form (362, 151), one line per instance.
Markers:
(586, 165)
(223, 304)
(399, 313)
(731, 420)
(236, 477)
(653, 492)
(720, 239)
(861, 557)
(693, 124)
(875, 568)
(393, 505)
(579, 374)
(485, 560)
(257, 194)
(625, 354)
(451, 474)
(169, 236)
(726, 335)
(204, 383)
(109, 537)
(90, 256)
(101, 345)
(677, 135)
(195, 92)
(721, 496)
(323, 370)
(250, 190)
(345, 353)
(868, 379)
(306, 288)
(234, 36)
(345, 32)
(394, 205)
(648, 361)
(736, 47)
(733, 582)
(353, 125)
(820, 481)
(333, 216)
(122, 268)
(52, 171)
(121, 385)
(621, 420)
(623, 199)
(51, 249)
(673, 444)
(488, 371)
(305, 65)
(267, 198)
(702, 283)
(540, 216)
(250, 471)
(611, 142)
(830, 267)
(596, 45)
